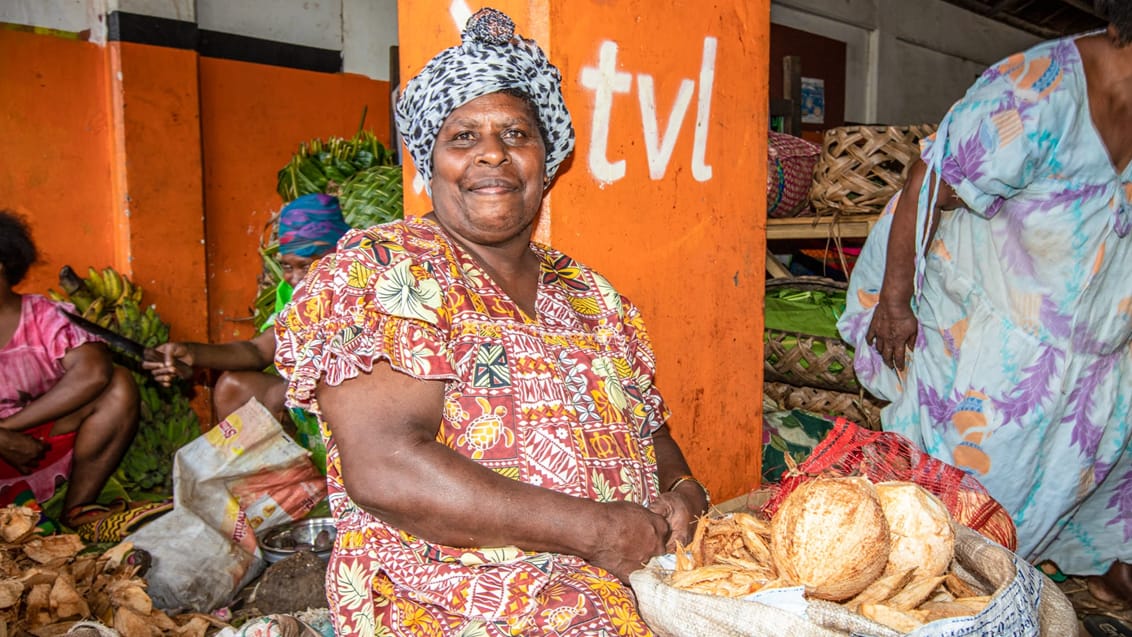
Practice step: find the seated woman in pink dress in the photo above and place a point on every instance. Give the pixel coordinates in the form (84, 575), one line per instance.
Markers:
(66, 412)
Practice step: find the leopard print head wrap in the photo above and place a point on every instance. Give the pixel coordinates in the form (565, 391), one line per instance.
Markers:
(490, 59)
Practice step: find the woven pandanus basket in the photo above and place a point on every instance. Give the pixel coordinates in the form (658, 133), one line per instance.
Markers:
(861, 167)
(803, 359)
(815, 373)
(860, 408)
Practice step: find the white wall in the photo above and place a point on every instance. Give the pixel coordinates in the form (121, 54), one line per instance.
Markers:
(369, 28)
(363, 30)
(907, 61)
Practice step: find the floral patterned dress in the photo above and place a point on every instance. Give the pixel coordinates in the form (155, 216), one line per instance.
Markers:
(563, 400)
(1022, 371)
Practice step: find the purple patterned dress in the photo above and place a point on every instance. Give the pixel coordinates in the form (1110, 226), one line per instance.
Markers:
(1022, 373)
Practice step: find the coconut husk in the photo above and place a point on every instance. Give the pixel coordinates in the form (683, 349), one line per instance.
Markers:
(47, 589)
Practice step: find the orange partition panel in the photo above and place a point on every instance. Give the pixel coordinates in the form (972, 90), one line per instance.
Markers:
(665, 192)
(156, 180)
(55, 168)
(254, 118)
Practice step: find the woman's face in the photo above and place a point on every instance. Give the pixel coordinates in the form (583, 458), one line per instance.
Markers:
(488, 168)
(295, 268)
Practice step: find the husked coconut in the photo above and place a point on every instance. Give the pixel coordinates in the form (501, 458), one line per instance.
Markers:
(920, 528)
(830, 535)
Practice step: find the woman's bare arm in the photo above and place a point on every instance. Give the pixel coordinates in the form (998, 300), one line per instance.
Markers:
(385, 425)
(88, 371)
(893, 328)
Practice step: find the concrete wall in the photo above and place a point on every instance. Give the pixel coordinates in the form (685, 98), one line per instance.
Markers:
(907, 61)
(363, 30)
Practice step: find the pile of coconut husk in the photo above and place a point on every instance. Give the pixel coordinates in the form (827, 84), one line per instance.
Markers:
(50, 585)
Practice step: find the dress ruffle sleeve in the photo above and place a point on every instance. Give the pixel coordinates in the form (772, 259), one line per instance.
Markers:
(54, 331)
(987, 147)
(368, 301)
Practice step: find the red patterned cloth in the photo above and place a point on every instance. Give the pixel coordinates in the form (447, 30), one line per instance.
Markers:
(563, 400)
(790, 165)
(881, 456)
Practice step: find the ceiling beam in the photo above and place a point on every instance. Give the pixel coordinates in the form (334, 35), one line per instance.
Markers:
(1016, 22)
(1083, 5)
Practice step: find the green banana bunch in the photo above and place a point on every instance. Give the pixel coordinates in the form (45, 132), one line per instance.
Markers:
(167, 423)
(167, 420)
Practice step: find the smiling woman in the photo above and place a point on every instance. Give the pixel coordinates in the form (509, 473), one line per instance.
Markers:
(499, 457)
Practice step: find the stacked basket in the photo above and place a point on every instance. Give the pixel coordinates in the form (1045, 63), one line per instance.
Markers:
(861, 167)
(814, 373)
(859, 170)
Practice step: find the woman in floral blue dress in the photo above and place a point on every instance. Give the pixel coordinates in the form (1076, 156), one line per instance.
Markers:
(993, 305)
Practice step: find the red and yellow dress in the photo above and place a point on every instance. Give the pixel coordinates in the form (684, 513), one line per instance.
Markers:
(563, 400)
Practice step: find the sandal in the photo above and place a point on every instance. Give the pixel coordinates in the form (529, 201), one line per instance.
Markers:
(115, 522)
(81, 514)
(1106, 626)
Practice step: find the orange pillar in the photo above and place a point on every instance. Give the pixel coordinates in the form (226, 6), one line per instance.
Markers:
(157, 202)
(665, 193)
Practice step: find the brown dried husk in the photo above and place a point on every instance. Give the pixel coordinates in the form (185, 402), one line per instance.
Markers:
(830, 535)
(920, 527)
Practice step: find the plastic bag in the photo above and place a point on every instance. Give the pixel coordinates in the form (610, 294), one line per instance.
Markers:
(243, 474)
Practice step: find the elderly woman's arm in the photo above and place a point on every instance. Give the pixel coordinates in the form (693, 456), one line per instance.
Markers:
(681, 502)
(894, 325)
(385, 425)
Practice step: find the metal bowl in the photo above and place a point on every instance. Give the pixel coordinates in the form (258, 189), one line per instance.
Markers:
(282, 541)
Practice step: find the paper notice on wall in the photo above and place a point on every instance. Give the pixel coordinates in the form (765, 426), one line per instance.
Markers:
(813, 100)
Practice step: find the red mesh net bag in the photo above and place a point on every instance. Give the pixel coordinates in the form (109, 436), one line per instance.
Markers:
(849, 450)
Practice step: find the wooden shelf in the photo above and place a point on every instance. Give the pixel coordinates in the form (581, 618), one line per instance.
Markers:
(846, 227)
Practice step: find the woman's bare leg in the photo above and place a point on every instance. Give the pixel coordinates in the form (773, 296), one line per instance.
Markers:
(1115, 586)
(105, 426)
(233, 389)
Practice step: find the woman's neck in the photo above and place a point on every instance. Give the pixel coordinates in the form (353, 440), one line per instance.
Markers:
(511, 265)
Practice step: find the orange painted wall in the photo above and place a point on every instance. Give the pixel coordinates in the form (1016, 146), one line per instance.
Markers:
(689, 252)
(254, 118)
(55, 168)
(161, 164)
(156, 203)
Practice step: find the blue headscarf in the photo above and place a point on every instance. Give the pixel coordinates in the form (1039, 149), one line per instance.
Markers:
(311, 226)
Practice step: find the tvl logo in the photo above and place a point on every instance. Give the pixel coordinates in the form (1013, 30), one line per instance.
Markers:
(606, 81)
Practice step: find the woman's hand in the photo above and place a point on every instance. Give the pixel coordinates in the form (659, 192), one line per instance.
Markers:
(169, 361)
(892, 331)
(682, 509)
(21, 451)
(635, 535)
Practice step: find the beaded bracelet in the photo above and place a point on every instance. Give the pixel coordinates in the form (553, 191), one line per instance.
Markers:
(682, 479)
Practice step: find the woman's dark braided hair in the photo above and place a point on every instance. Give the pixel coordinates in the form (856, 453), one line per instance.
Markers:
(17, 251)
(1119, 14)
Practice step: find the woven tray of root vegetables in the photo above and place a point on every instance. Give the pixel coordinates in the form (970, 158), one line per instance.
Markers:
(845, 556)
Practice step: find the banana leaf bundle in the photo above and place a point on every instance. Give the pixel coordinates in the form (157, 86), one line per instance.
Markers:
(360, 171)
